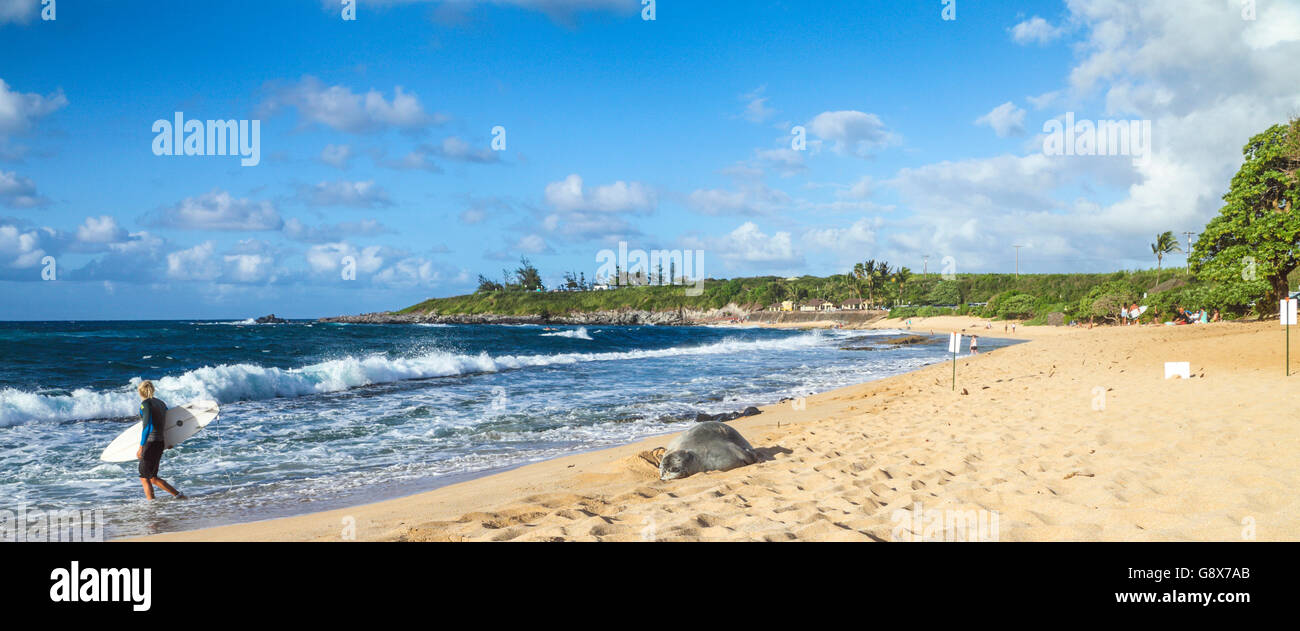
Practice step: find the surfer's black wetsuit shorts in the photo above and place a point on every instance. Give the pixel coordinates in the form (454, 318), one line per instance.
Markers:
(153, 451)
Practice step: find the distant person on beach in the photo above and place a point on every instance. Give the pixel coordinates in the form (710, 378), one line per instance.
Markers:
(974, 345)
(152, 414)
(1216, 317)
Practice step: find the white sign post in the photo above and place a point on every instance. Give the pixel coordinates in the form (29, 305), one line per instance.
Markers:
(1286, 312)
(954, 347)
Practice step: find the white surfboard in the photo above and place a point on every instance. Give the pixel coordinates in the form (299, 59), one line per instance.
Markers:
(181, 423)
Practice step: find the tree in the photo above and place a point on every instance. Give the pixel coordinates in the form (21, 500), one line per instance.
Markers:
(1165, 243)
(902, 275)
(946, 292)
(1255, 235)
(528, 277)
(672, 271)
(486, 284)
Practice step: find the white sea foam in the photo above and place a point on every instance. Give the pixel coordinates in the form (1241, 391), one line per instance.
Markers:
(578, 334)
(243, 382)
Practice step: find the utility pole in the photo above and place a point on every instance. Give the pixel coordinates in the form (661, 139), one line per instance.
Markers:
(925, 265)
(1017, 247)
(1189, 250)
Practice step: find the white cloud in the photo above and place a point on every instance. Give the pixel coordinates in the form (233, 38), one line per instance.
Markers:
(336, 155)
(17, 191)
(1006, 120)
(1035, 30)
(340, 108)
(852, 132)
(299, 231)
(219, 210)
(453, 148)
(748, 247)
(102, 229)
(1206, 80)
(784, 160)
(532, 244)
(751, 197)
(249, 263)
(860, 189)
(19, 11)
(568, 195)
(18, 110)
(756, 109)
(848, 244)
(327, 258)
(196, 263)
(20, 247)
(365, 194)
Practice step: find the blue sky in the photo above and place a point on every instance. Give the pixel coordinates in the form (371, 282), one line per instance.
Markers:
(923, 139)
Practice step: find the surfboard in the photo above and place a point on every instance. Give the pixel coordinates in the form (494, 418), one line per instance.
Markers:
(181, 423)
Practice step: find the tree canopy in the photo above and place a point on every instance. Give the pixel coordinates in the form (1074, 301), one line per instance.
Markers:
(1251, 245)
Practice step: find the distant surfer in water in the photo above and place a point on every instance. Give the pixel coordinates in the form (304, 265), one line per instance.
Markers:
(153, 412)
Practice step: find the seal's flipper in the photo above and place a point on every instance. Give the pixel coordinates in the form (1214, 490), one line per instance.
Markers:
(654, 456)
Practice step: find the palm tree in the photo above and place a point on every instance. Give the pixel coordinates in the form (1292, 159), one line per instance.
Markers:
(877, 277)
(902, 276)
(860, 272)
(1165, 243)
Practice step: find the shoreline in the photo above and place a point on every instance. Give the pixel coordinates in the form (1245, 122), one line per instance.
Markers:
(462, 478)
(1023, 434)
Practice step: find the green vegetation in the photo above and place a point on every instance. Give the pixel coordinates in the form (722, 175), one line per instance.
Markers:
(1242, 263)
(1249, 248)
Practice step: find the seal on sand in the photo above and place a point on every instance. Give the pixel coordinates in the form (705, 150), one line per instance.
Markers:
(707, 446)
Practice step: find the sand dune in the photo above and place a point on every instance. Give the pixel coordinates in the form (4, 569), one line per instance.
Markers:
(1073, 436)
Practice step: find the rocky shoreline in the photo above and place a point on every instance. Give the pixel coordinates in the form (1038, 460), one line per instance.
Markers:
(682, 317)
(623, 317)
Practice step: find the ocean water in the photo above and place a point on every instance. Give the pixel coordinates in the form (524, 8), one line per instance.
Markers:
(319, 416)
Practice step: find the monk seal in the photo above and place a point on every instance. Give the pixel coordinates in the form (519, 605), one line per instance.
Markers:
(707, 446)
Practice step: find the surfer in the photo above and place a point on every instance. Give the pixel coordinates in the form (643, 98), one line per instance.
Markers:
(152, 414)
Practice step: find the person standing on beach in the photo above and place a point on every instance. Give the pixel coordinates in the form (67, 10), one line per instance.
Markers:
(153, 412)
(974, 345)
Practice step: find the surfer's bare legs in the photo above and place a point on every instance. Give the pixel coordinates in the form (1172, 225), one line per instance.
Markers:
(148, 488)
(162, 484)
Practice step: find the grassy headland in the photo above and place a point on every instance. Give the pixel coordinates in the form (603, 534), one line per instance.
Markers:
(1030, 297)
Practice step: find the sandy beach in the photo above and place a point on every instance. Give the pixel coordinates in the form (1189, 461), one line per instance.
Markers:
(1074, 436)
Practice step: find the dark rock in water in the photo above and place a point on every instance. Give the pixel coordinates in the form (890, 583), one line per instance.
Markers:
(270, 319)
(878, 343)
(726, 416)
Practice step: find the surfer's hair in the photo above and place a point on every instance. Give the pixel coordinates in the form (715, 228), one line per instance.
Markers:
(146, 390)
